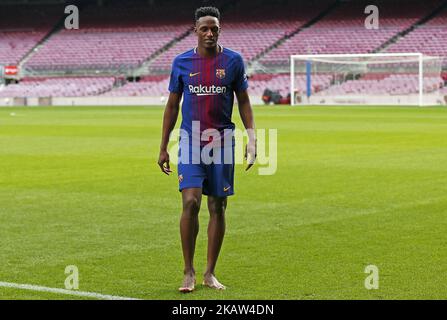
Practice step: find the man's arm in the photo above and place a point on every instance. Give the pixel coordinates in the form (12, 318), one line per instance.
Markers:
(169, 120)
(246, 113)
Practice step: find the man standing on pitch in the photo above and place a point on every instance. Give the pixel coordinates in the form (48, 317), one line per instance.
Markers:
(207, 76)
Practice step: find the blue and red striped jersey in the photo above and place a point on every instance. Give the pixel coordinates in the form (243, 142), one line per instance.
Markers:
(208, 86)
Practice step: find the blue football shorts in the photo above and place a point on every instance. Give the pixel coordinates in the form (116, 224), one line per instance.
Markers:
(215, 178)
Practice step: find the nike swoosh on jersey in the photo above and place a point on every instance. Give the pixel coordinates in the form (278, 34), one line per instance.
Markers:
(193, 74)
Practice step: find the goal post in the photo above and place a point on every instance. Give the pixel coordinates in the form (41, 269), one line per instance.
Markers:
(366, 79)
(2, 74)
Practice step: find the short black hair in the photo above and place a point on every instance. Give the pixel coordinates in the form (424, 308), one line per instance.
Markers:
(207, 11)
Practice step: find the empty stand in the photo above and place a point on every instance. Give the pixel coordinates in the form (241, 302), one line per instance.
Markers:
(429, 38)
(22, 27)
(147, 86)
(343, 30)
(396, 84)
(59, 87)
(118, 36)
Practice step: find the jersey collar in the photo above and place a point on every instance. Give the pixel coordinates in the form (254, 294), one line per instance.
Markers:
(218, 45)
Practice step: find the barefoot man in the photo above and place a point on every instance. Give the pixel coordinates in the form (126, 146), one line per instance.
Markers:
(207, 77)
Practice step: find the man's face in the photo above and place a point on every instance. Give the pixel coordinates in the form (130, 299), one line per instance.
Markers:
(207, 29)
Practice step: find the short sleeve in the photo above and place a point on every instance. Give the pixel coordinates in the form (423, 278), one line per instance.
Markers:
(240, 81)
(175, 81)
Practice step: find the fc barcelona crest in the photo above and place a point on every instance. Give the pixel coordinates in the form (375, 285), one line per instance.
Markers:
(220, 73)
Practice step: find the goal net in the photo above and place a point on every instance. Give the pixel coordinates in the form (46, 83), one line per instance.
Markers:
(366, 79)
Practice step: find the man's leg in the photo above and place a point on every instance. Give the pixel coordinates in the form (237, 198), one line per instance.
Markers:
(189, 228)
(216, 232)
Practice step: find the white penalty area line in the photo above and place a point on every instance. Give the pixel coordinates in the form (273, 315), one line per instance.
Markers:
(63, 291)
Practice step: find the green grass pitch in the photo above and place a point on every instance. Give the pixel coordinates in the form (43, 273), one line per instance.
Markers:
(354, 187)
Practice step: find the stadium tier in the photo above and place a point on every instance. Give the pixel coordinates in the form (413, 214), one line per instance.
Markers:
(384, 84)
(429, 38)
(324, 84)
(22, 28)
(113, 37)
(59, 87)
(101, 49)
(15, 45)
(343, 30)
(147, 86)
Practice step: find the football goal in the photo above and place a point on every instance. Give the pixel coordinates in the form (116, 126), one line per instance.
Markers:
(366, 79)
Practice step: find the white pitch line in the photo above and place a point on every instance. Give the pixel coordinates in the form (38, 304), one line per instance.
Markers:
(63, 291)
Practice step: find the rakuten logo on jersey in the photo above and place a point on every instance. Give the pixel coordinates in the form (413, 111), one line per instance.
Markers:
(207, 90)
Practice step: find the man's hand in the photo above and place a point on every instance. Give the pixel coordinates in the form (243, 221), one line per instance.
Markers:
(250, 153)
(169, 119)
(246, 113)
(162, 160)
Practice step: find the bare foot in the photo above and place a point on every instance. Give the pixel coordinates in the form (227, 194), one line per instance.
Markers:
(210, 280)
(188, 283)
